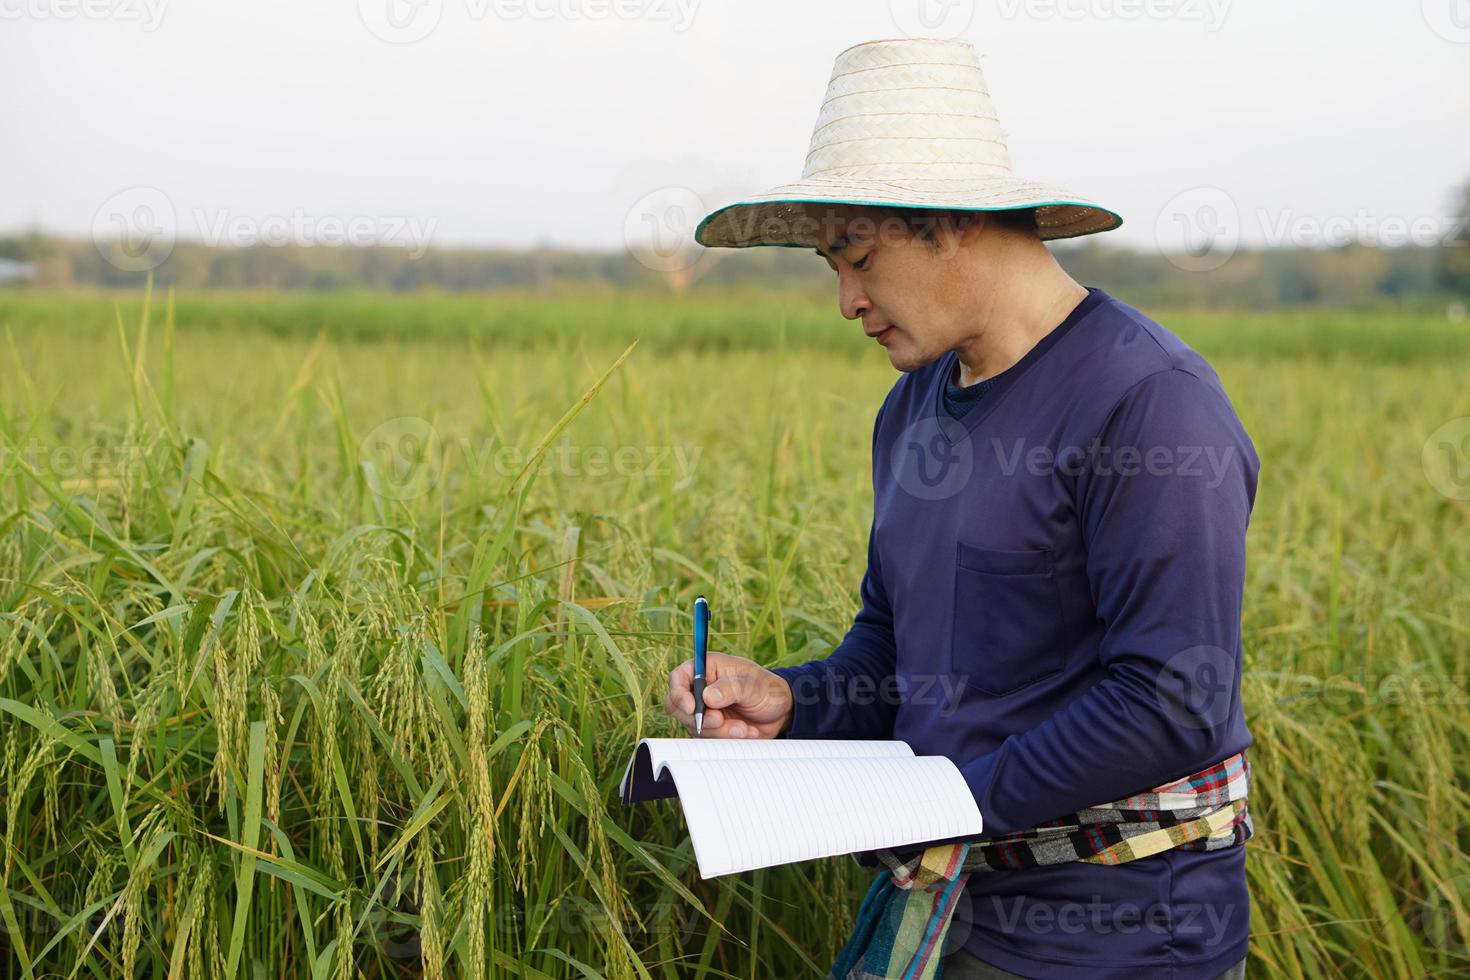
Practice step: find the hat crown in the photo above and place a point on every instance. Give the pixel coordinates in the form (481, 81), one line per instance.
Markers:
(911, 109)
(906, 122)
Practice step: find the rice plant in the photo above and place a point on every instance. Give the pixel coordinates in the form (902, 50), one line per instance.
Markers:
(323, 647)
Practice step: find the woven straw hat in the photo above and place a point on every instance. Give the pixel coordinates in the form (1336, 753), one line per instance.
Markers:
(906, 122)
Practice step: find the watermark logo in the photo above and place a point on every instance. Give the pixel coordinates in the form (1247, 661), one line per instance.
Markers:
(1199, 229)
(932, 18)
(933, 458)
(1444, 916)
(1446, 458)
(135, 229)
(1450, 19)
(403, 454)
(400, 21)
(658, 230)
(1196, 686)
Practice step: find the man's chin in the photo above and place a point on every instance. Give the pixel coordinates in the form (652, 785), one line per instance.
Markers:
(906, 359)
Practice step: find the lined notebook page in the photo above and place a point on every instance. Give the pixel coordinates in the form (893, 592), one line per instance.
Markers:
(662, 749)
(651, 753)
(746, 813)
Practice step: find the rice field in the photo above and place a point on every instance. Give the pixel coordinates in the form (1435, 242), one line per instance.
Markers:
(328, 624)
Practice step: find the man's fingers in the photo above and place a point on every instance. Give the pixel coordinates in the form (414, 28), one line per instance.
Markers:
(725, 691)
(681, 684)
(722, 727)
(721, 692)
(681, 678)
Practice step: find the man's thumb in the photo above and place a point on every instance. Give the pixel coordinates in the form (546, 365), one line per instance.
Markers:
(724, 691)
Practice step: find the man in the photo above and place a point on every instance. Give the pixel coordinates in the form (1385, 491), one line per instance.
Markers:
(1056, 561)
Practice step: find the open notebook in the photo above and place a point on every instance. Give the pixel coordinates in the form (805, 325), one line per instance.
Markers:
(754, 803)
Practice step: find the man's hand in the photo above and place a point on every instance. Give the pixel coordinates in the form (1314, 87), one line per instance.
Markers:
(741, 698)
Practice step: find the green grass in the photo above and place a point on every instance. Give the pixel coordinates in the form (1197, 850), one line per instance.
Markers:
(724, 319)
(276, 702)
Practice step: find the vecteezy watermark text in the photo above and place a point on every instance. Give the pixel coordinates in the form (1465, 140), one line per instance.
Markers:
(1210, 463)
(1210, 13)
(301, 227)
(147, 14)
(136, 229)
(1097, 917)
(408, 21)
(935, 458)
(407, 455)
(942, 690)
(1201, 228)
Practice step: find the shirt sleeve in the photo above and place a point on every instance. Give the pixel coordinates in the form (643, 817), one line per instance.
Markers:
(1164, 528)
(851, 693)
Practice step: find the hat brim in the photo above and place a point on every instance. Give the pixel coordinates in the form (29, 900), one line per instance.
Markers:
(785, 215)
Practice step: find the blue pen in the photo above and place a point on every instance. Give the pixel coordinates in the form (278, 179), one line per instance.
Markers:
(701, 640)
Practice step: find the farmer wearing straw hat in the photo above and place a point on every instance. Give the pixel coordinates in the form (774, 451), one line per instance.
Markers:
(1055, 566)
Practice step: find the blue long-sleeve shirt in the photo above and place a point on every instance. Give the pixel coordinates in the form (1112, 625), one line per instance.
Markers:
(1053, 600)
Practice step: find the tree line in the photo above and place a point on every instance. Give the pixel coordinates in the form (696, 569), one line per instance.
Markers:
(1346, 275)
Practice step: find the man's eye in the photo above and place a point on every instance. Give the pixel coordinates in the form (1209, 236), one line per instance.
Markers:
(863, 262)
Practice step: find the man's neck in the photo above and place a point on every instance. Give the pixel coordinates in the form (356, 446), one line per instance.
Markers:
(1011, 328)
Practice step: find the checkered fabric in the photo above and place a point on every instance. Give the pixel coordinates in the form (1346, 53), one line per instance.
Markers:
(906, 913)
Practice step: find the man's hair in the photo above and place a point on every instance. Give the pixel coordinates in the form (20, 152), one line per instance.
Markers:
(922, 220)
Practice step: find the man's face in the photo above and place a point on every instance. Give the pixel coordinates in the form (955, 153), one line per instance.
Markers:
(903, 289)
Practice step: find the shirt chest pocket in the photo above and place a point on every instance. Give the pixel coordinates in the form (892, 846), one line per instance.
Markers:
(1009, 629)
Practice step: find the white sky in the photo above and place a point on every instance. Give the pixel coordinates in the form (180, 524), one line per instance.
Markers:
(515, 122)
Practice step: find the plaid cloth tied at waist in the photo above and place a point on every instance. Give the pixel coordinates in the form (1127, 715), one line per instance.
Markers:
(906, 913)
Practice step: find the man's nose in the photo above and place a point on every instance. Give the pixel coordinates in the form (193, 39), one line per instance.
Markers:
(851, 298)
